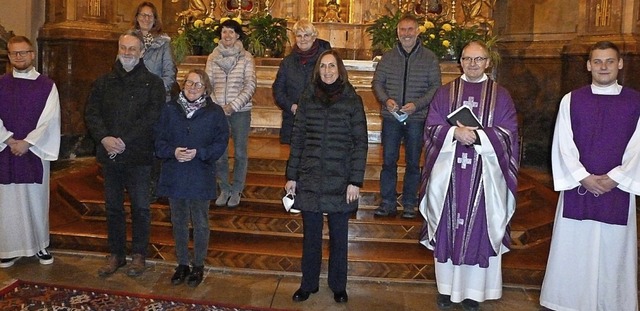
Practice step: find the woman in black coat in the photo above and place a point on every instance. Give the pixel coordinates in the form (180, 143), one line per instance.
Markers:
(295, 72)
(326, 170)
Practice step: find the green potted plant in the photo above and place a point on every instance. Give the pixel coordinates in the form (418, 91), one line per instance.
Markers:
(266, 33)
(444, 38)
(196, 38)
(383, 32)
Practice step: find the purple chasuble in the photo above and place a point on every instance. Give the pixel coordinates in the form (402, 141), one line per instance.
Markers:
(462, 234)
(602, 126)
(21, 104)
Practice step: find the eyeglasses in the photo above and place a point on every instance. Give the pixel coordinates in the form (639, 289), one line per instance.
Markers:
(190, 83)
(21, 53)
(477, 60)
(144, 15)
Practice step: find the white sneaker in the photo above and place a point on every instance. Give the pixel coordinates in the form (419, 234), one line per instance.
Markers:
(8, 262)
(45, 257)
(294, 211)
(223, 198)
(234, 200)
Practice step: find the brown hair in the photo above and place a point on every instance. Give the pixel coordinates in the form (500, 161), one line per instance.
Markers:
(19, 39)
(157, 22)
(604, 45)
(342, 70)
(204, 77)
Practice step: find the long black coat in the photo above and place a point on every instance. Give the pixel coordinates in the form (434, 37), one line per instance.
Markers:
(328, 151)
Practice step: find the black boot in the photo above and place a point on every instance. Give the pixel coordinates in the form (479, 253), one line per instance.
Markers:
(181, 274)
(195, 278)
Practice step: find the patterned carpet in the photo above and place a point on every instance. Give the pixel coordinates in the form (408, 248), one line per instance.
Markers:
(23, 295)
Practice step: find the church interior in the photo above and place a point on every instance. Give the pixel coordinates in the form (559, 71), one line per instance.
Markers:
(254, 255)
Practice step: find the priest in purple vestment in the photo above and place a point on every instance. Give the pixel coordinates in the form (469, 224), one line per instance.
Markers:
(595, 157)
(469, 183)
(29, 141)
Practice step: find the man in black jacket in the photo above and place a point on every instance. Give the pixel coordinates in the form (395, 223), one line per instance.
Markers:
(121, 111)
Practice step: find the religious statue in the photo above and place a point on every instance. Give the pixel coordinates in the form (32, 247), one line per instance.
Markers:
(478, 13)
(332, 13)
(197, 9)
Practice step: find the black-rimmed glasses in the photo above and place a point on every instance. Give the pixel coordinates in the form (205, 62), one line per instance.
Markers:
(20, 53)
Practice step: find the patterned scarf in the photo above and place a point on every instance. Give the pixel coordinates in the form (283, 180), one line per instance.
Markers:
(227, 58)
(148, 39)
(190, 107)
(305, 56)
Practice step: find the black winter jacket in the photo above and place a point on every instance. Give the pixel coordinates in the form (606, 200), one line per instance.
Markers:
(126, 105)
(328, 151)
(290, 82)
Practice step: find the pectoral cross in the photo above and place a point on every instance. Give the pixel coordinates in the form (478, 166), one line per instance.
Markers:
(459, 221)
(464, 160)
(470, 102)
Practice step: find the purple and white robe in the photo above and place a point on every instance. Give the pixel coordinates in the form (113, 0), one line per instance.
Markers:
(468, 192)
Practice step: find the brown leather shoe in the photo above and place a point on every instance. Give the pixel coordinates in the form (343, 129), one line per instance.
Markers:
(137, 266)
(113, 264)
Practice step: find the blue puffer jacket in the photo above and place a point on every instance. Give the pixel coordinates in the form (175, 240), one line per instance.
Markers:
(208, 132)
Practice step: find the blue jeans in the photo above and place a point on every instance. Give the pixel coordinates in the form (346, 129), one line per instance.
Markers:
(184, 211)
(393, 133)
(135, 180)
(239, 126)
(312, 223)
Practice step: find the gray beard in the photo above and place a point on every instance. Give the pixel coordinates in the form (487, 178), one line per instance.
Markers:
(127, 63)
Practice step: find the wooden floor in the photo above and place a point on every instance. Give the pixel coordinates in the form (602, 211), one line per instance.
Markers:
(260, 235)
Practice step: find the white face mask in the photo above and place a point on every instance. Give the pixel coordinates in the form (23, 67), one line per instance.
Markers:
(128, 62)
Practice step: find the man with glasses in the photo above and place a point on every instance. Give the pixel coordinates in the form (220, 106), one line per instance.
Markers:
(469, 182)
(121, 111)
(29, 141)
(404, 83)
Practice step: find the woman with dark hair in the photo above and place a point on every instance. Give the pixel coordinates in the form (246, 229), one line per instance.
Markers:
(327, 159)
(192, 134)
(295, 73)
(232, 71)
(157, 57)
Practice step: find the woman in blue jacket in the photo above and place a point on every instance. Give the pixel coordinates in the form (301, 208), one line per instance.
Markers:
(192, 134)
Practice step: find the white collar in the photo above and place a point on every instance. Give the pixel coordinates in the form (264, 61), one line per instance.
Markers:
(613, 89)
(484, 77)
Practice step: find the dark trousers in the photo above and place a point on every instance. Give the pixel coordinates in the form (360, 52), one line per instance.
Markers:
(135, 180)
(196, 212)
(312, 250)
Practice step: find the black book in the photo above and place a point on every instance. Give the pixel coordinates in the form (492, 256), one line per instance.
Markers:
(465, 116)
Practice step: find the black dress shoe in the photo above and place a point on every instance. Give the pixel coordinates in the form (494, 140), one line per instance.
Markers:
(302, 295)
(196, 276)
(470, 305)
(444, 301)
(181, 274)
(341, 297)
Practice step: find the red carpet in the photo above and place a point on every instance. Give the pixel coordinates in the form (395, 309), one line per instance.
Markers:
(24, 295)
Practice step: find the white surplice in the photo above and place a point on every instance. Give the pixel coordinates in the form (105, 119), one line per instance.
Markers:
(24, 208)
(592, 265)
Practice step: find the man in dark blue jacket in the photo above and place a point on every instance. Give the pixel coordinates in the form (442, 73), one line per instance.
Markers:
(121, 112)
(405, 80)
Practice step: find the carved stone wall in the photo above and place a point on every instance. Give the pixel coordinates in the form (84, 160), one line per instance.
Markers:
(543, 45)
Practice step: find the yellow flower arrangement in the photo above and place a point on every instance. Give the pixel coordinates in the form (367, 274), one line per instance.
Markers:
(444, 38)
